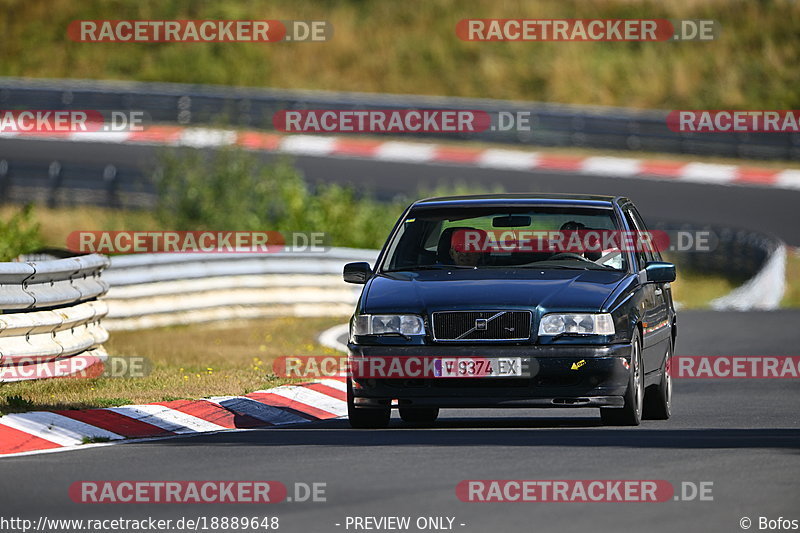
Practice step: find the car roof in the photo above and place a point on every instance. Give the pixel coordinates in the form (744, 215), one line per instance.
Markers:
(520, 199)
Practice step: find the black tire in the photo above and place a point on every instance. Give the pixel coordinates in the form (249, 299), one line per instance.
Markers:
(419, 415)
(658, 398)
(630, 414)
(366, 417)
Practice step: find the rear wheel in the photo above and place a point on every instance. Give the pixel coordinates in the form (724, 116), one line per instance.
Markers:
(631, 412)
(366, 417)
(658, 398)
(419, 415)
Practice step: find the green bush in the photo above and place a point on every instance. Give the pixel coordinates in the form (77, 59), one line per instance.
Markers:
(232, 190)
(19, 234)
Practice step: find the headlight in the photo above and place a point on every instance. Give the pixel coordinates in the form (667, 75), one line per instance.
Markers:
(388, 324)
(576, 324)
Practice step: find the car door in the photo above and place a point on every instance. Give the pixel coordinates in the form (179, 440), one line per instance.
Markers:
(655, 316)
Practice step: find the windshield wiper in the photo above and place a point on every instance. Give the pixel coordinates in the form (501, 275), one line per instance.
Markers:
(534, 266)
(428, 267)
(569, 267)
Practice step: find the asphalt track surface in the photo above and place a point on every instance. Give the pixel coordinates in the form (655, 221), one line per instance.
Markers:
(763, 209)
(742, 435)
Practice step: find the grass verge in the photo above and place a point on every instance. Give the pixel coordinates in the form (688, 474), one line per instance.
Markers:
(412, 47)
(185, 362)
(695, 290)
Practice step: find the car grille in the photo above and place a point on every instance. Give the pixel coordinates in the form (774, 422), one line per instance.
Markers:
(481, 325)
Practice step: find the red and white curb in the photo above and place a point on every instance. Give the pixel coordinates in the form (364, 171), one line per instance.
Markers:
(47, 431)
(415, 152)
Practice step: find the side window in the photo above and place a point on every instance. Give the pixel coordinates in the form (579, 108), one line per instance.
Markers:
(652, 254)
(642, 256)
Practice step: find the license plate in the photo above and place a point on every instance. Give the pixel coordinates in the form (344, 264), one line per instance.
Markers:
(478, 367)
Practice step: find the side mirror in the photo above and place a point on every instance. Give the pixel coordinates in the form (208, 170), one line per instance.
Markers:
(660, 272)
(357, 272)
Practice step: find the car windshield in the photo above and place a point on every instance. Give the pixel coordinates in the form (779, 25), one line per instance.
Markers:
(560, 237)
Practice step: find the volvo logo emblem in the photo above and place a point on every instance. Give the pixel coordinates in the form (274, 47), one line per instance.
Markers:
(481, 324)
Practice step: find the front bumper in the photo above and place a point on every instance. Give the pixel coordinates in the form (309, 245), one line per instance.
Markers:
(554, 376)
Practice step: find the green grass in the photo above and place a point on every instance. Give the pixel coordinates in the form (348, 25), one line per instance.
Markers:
(94, 440)
(696, 290)
(187, 362)
(411, 47)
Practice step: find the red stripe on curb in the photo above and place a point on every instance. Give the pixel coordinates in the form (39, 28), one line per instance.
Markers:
(254, 140)
(669, 169)
(453, 154)
(115, 422)
(300, 408)
(211, 412)
(15, 441)
(328, 391)
(756, 175)
(356, 147)
(560, 162)
(165, 134)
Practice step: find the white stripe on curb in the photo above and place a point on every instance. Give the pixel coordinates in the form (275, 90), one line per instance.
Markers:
(707, 173)
(206, 137)
(166, 418)
(101, 136)
(789, 179)
(508, 159)
(611, 166)
(402, 151)
(311, 397)
(307, 145)
(335, 384)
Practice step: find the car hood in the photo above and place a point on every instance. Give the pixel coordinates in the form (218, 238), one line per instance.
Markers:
(549, 289)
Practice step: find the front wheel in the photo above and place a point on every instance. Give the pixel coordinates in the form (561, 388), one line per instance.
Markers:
(658, 398)
(366, 417)
(631, 412)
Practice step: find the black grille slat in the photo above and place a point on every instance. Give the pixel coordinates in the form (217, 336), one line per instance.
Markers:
(509, 325)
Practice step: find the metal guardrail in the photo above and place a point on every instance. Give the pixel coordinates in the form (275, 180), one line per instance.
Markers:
(50, 313)
(755, 259)
(551, 124)
(150, 290)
